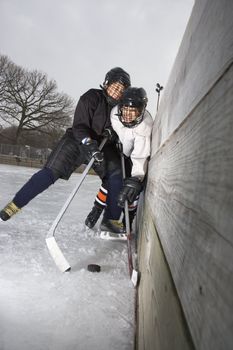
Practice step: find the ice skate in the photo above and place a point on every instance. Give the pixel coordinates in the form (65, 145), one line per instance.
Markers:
(9, 210)
(112, 230)
(93, 216)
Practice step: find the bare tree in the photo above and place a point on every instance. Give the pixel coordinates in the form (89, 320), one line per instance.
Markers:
(31, 102)
(4, 67)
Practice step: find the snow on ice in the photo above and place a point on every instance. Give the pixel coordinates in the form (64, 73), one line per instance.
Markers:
(43, 309)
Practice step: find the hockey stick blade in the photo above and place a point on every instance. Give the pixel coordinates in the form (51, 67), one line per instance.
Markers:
(57, 255)
(135, 278)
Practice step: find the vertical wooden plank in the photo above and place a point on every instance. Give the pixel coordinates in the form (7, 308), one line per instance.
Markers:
(161, 324)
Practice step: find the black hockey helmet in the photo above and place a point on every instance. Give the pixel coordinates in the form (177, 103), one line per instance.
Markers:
(117, 74)
(135, 98)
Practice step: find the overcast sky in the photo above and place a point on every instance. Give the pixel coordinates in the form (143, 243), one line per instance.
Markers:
(77, 41)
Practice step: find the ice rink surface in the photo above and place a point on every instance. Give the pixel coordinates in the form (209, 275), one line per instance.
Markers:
(44, 309)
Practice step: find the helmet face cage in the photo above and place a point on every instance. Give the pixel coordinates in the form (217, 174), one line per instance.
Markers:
(132, 106)
(114, 92)
(115, 75)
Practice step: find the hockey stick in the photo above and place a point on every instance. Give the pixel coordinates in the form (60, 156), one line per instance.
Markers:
(52, 245)
(132, 272)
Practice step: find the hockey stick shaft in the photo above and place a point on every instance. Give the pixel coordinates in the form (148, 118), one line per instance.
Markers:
(69, 199)
(73, 193)
(127, 223)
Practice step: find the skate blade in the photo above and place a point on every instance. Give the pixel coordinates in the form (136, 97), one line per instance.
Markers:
(110, 236)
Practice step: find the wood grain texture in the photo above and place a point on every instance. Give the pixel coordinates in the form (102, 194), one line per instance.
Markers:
(161, 325)
(190, 193)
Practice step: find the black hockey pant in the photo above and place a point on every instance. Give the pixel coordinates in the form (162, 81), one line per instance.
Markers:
(64, 159)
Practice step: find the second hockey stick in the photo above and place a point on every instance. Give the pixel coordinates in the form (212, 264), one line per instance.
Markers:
(132, 272)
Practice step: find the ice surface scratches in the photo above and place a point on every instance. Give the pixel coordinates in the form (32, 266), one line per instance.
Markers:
(41, 308)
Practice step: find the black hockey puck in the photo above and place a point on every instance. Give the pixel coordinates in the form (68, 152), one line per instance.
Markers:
(93, 268)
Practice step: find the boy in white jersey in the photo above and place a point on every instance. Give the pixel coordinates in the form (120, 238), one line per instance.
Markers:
(132, 124)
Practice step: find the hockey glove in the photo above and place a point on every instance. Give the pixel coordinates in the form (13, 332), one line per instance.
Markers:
(110, 134)
(91, 149)
(131, 188)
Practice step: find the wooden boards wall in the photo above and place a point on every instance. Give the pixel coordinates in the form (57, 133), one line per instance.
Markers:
(189, 196)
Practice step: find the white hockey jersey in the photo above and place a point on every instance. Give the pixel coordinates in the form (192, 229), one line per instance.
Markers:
(136, 141)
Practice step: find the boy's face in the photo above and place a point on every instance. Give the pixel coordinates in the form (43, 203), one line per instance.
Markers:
(129, 114)
(115, 90)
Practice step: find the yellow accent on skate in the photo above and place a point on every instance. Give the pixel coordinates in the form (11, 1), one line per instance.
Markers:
(117, 224)
(11, 209)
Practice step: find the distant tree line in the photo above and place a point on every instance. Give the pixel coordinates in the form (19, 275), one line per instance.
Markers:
(32, 111)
